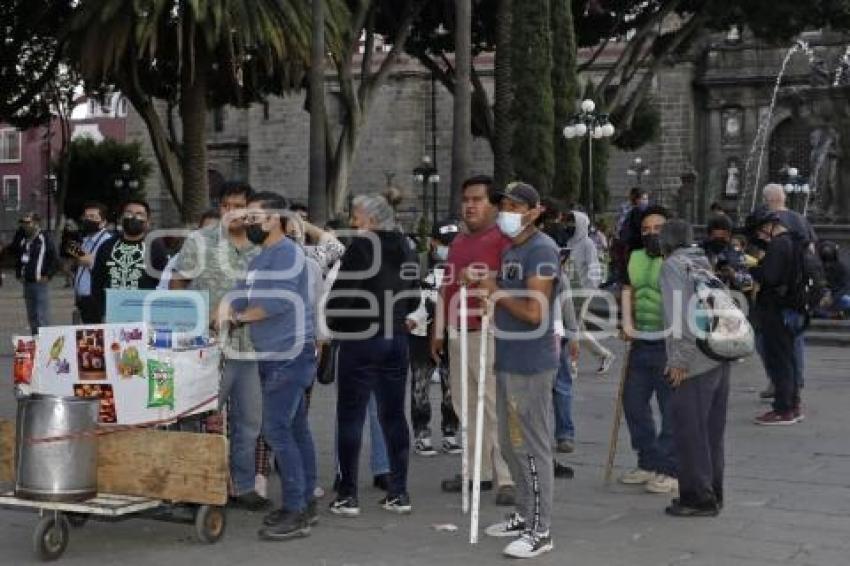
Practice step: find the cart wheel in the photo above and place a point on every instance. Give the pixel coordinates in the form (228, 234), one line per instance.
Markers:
(50, 537)
(77, 520)
(210, 522)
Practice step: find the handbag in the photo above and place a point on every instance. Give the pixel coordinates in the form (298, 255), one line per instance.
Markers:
(326, 372)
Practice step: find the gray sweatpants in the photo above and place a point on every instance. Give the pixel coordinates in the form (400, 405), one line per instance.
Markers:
(524, 412)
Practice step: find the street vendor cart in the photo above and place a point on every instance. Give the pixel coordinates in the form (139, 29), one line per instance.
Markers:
(142, 468)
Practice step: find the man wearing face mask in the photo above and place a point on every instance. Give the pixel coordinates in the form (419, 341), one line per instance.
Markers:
(524, 298)
(643, 325)
(775, 316)
(274, 302)
(422, 366)
(36, 265)
(95, 234)
(121, 262)
(728, 263)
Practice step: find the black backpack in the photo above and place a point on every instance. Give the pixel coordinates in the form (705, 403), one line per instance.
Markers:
(809, 284)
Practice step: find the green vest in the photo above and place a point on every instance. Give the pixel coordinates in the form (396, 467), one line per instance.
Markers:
(645, 278)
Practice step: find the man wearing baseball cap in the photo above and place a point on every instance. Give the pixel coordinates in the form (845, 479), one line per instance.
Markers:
(422, 365)
(524, 296)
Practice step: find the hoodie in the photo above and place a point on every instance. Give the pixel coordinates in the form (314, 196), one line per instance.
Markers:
(381, 278)
(584, 258)
(677, 290)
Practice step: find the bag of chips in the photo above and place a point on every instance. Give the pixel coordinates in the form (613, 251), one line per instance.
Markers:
(23, 361)
(160, 384)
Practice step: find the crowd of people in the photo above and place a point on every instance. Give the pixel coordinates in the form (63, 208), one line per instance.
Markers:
(377, 312)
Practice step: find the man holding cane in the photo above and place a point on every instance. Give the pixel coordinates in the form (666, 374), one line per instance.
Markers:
(527, 351)
(482, 245)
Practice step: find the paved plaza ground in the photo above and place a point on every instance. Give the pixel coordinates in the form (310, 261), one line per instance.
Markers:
(788, 495)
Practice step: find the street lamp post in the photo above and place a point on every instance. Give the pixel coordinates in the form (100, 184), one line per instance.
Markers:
(427, 174)
(795, 184)
(638, 169)
(592, 125)
(126, 182)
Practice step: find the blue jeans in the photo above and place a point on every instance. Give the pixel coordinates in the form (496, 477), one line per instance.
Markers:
(377, 365)
(563, 398)
(378, 461)
(286, 430)
(647, 362)
(241, 391)
(37, 302)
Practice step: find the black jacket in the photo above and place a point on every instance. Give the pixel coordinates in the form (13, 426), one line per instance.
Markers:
(395, 290)
(35, 258)
(776, 272)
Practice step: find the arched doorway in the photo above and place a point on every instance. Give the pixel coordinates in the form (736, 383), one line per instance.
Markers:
(790, 146)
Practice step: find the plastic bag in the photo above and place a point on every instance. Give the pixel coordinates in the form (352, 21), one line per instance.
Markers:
(24, 360)
(160, 384)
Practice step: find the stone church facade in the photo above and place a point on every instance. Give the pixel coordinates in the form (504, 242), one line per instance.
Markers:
(711, 105)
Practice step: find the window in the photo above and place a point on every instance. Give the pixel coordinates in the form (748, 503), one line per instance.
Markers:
(10, 146)
(122, 107)
(12, 192)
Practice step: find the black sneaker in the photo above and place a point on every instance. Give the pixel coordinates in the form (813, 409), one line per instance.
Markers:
(677, 509)
(512, 526)
(290, 525)
(250, 501)
(563, 471)
(397, 504)
(345, 506)
(455, 484)
(311, 512)
(450, 444)
(382, 482)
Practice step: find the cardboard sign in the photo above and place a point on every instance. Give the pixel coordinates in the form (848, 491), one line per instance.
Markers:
(113, 363)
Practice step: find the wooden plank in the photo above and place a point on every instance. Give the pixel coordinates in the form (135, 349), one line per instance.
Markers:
(176, 466)
(7, 451)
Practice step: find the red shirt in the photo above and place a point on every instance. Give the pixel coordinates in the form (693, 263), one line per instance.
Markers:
(482, 248)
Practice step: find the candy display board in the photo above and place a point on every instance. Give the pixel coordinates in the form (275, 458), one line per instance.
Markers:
(135, 383)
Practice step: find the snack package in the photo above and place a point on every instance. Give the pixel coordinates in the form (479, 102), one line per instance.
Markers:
(24, 358)
(160, 384)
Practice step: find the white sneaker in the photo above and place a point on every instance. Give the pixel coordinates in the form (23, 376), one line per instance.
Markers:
(662, 483)
(512, 526)
(424, 447)
(636, 476)
(605, 364)
(529, 545)
(451, 446)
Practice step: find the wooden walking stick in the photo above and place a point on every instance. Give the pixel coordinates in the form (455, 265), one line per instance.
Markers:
(618, 416)
(479, 433)
(464, 395)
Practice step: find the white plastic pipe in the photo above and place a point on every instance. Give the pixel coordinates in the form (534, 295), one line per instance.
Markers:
(479, 433)
(464, 396)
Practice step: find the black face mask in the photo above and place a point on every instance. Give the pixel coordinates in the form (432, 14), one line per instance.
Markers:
(256, 234)
(716, 246)
(89, 227)
(652, 244)
(133, 226)
(570, 231)
(760, 244)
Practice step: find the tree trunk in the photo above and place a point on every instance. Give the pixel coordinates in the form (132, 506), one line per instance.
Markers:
(503, 97)
(462, 128)
(193, 112)
(317, 198)
(532, 110)
(567, 182)
(340, 169)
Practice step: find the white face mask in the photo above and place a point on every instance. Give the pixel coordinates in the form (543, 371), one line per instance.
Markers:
(441, 253)
(510, 223)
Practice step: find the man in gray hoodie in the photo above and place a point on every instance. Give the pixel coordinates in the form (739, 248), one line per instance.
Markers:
(585, 273)
(700, 384)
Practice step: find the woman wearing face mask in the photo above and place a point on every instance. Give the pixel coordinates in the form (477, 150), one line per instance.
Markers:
(422, 366)
(123, 262)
